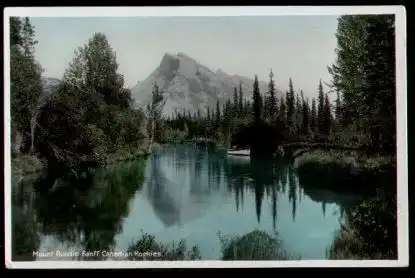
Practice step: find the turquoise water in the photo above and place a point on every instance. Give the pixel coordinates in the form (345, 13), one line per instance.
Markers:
(181, 192)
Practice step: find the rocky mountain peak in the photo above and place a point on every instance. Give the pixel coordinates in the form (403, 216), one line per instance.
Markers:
(187, 84)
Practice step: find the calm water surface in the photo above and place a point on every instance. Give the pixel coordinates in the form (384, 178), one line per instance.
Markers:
(182, 192)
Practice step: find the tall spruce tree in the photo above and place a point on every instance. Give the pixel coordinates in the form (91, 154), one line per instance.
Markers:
(241, 100)
(290, 104)
(320, 108)
(306, 117)
(314, 120)
(257, 101)
(272, 100)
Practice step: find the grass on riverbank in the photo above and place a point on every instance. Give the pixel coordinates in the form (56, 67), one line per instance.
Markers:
(344, 170)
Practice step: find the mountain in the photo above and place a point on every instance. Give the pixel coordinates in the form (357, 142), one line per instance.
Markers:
(187, 84)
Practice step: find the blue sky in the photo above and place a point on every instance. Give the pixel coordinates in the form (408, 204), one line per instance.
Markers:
(300, 47)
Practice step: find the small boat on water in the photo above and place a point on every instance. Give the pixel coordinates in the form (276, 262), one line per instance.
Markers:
(239, 152)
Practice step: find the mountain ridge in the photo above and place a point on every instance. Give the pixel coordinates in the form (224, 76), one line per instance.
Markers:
(188, 84)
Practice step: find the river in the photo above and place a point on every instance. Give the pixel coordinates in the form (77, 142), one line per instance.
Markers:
(181, 192)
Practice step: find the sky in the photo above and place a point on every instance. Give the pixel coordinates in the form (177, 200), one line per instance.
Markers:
(300, 47)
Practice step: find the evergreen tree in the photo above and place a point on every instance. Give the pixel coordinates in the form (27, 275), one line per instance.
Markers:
(241, 100)
(314, 120)
(257, 101)
(327, 116)
(235, 103)
(299, 112)
(272, 106)
(282, 114)
(320, 108)
(338, 111)
(218, 114)
(290, 103)
(306, 117)
(364, 74)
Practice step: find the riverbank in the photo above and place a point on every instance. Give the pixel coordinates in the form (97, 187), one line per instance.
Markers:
(345, 169)
(369, 232)
(31, 164)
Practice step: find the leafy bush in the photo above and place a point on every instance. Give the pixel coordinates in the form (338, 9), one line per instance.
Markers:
(256, 245)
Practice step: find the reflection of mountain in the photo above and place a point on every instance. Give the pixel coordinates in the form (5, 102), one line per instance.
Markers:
(84, 221)
(177, 187)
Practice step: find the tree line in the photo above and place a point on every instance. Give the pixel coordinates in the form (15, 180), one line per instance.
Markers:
(297, 118)
(363, 113)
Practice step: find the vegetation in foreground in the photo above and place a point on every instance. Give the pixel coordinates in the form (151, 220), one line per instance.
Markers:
(256, 245)
(168, 252)
(370, 232)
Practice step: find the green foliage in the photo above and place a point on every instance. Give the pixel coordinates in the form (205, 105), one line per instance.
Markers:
(364, 75)
(91, 114)
(256, 245)
(257, 101)
(154, 112)
(168, 252)
(25, 79)
(338, 169)
(370, 231)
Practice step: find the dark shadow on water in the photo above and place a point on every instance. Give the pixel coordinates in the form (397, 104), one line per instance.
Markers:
(83, 220)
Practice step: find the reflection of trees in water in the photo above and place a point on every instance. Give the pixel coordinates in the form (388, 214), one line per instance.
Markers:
(268, 179)
(89, 220)
(25, 235)
(207, 170)
(345, 202)
(292, 191)
(261, 177)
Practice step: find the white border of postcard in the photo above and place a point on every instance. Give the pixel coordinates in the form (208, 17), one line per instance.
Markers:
(402, 192)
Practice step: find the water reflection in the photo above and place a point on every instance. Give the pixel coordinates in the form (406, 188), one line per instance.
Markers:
(77, 221)
(184, 178)
(180, 183)
(195, 191)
